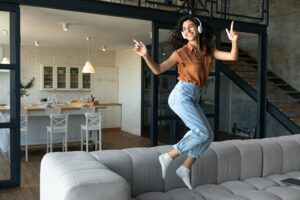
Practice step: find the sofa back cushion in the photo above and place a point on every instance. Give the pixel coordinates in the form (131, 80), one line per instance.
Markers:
(290, 153)
(251, 159)
(228, 161)
(117, 161)
(205, 170)
(146, 171)
(272, 156)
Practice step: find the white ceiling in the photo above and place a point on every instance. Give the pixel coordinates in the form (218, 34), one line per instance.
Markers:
(45, 25)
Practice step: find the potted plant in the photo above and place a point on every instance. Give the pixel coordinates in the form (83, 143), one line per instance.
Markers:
(23, 88)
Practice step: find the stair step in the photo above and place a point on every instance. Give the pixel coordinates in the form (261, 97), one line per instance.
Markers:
(288, 108)
(247, 59)
(284, 92)
(284, 100)
(239, 63)
(244, 70)
(279, 84)
(253, 82)
(295, 118)
(251, 76)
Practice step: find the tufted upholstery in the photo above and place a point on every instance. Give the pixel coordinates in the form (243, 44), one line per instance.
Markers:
(229, 170)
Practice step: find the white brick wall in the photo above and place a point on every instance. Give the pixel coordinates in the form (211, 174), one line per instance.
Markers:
(106, 75)
(129, 65)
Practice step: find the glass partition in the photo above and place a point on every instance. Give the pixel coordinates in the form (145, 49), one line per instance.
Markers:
(4, 120)
(4, 38)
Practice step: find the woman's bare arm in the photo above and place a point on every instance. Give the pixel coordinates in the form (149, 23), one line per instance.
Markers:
(233, 54)
(141, 50)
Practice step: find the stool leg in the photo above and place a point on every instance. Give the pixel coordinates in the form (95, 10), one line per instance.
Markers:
(81, 145)
(66, 141)
(47, 141)
(26, 147)
(100, 139)
(95, 139)
(50, 141)
(87, 140)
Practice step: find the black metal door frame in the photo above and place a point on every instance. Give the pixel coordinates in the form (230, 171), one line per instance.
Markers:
(14, 67)
(155, 118)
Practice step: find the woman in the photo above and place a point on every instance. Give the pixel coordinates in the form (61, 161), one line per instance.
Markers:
(193, 56)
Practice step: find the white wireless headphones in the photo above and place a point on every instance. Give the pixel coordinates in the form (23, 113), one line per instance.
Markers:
(199, 26)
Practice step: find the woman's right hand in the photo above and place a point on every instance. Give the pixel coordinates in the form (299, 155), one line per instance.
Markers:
(140, 48)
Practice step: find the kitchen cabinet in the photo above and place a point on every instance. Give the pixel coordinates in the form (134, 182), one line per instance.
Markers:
(74, 78)
(61, 74)
(47, 77)
(86, 81)
(111, 116)
(64, 78)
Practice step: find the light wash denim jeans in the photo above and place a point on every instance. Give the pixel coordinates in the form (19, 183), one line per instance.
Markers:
(184, 101)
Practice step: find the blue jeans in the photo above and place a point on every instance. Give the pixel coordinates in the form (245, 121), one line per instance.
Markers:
(184, 101)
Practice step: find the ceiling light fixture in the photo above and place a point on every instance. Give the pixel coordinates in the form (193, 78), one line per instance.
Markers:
(5, 60)
(65, 26)
(36, 43)
(104, 48)
(88, 67)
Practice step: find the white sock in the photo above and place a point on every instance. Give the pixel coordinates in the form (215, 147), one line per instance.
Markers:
(164, 160)
(184, 174)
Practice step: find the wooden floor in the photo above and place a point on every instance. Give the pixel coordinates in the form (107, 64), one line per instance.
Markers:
(30, 171)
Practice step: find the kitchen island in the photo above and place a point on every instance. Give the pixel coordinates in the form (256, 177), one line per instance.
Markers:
(38, 120)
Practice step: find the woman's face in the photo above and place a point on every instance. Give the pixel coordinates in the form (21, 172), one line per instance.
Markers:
(189, 30)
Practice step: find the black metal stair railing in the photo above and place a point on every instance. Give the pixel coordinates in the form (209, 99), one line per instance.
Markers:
(257, 11)
(278, 112)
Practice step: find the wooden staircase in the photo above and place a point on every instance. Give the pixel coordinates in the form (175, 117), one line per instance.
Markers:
(283, 100)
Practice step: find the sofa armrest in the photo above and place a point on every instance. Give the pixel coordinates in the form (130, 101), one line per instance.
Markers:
(77, 176)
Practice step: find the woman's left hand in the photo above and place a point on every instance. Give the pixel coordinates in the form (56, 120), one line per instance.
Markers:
(232, 35)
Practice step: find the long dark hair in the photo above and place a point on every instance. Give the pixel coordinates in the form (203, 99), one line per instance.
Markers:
(205, 37)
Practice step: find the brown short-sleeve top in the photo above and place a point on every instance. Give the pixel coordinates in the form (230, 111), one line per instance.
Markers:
(193, 66)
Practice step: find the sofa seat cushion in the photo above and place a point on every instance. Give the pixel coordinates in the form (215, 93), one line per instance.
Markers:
(175, 194)
(285, 193)
(260, 183)
(217, 192)
(259, 195)
(153, 196)
(237, 187)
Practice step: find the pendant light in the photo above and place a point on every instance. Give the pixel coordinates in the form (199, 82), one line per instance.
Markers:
(88, 67)
(5, 60)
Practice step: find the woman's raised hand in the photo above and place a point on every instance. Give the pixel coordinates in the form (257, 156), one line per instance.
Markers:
(232, 35)
(139, 48)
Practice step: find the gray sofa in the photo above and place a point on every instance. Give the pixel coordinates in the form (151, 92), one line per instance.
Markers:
(229, 170)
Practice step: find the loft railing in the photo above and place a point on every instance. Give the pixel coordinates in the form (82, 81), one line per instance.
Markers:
(253, 11)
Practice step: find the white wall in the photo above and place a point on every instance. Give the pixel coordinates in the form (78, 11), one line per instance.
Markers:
(129, 65)
(4, 85)
(106, 72)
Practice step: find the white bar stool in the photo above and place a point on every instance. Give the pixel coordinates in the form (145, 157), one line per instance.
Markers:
(23, 127)
(92, 125)
(58, 125)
